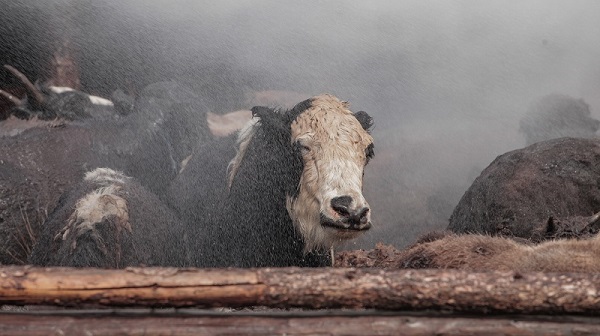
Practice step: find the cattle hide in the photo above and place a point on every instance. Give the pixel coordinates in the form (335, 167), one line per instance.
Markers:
(178, 114)
(269, 217)
(43, 161)
(109, 220)
(36, 167)
(50, 102)
(521, 190)
(198, 191)
(482, 253)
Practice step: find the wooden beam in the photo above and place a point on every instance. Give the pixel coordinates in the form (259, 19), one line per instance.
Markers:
(64, 70)
(286, 323)
(452, 290)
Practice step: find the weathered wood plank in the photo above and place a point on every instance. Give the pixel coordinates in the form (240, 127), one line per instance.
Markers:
(460, 291)
(284, 324)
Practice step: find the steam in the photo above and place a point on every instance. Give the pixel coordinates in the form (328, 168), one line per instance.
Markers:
(446, 82)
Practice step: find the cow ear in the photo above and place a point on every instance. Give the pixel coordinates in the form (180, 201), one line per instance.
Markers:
(364, 119)
(269, 117)
(260, 111)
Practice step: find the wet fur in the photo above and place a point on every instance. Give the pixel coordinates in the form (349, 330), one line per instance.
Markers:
(487, 253)
(40, 160)
(109, 220)
(270, 186)
(333, 166)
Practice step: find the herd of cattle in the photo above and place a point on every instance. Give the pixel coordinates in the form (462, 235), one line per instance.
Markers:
(160, 181)
(147, 183)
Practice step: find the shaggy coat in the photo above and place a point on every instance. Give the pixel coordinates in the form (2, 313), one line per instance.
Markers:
(109, 220)
(520, 190)
(198, 191)
(295, 188)
(486, 253)
(51, 102)
(40, 162)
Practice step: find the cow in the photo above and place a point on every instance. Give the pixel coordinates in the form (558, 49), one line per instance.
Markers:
(557, 116)
(40, 159)
(293, 189)
(51, 102)
(110, 220)
(475, 252)
(198, 191)
(522, 189)
(41, 163)
(576, 251)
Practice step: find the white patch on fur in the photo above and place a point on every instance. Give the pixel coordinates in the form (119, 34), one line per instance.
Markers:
(333, 167)
(103, 202)
(100, 101)
(105, 176)
(60, 89)
(94, 99)
(244, 137)
(93, 209)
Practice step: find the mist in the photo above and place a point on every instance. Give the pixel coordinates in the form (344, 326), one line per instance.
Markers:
(446, 81)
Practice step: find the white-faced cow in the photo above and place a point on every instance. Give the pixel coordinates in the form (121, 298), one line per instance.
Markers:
(109, 220)
(295, 188)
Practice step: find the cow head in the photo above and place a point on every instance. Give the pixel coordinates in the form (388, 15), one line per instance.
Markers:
(328, 147)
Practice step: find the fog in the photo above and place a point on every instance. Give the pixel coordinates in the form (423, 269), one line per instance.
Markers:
(446, 81)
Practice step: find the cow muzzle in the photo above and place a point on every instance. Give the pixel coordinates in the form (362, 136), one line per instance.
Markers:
(347, 217)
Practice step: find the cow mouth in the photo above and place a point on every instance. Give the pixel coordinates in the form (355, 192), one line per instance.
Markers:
(344, 224)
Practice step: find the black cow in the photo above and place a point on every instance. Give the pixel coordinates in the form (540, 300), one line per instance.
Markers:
(40, 159)
(294, 189)
(51, 102)
(109, 220)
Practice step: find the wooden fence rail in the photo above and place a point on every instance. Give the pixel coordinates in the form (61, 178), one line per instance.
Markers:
(447, 290)
(115, 322)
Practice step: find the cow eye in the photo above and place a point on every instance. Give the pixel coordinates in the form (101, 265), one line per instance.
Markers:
(303, 149)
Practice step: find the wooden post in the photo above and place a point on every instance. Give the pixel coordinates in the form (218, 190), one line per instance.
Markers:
(64, 70)
(448, 290)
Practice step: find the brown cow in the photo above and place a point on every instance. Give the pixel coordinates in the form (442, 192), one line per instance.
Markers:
(520, 190)
(479, 253)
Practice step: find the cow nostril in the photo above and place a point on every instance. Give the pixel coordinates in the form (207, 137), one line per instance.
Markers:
(341, 205)
(362, 215)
